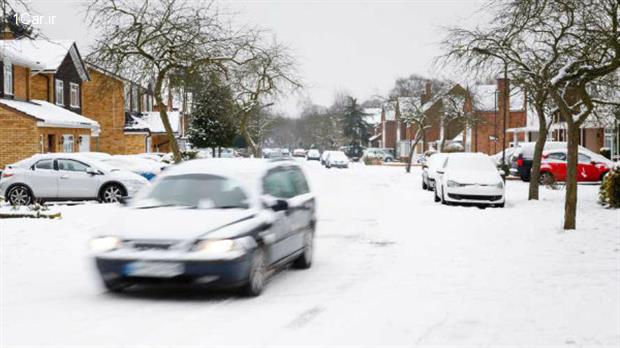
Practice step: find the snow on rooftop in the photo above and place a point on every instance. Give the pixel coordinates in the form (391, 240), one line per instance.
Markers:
(8, 52)
(49, 54)
(374, 115)
(152, 121)
(51, 115)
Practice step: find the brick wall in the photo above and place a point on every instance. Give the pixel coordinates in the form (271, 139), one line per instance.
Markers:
(19, 137)
(21, 82)
(135, 143)
(39, 87)
(103, 100)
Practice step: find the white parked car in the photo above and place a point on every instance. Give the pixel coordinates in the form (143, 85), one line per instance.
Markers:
(324, 156)
(313, 154)
(66, 176)
(146, 168)
(337, 159)
(469, 178)
(429, 170)
(299, 153)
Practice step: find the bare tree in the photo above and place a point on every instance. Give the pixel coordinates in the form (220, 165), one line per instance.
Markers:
(156, 39)
(413, 114)
(269, 72)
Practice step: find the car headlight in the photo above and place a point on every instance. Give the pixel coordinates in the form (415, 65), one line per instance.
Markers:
(215, 246)
(452, 183)
(103, 244)
(500, 185)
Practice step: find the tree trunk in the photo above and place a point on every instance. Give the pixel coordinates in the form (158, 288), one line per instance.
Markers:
(418, 136)
(243, 128)
(570, 203)
(538, 150)
(219, 151)
(174, 146)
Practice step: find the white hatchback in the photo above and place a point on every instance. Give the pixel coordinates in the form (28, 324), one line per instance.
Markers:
(66, 176)
(469, 178)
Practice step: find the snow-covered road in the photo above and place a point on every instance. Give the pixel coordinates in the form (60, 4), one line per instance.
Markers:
(391, 267)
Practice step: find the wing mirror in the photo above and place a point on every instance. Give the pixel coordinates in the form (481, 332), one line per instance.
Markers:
(92, 171)
(279, 205)
(440, 171)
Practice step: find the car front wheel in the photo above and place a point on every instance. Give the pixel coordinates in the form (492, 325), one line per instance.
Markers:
(435, 194)
(20, 195)
(257, 276)
(111, 193)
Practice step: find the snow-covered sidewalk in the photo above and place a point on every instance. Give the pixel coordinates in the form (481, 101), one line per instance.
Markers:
(392, 267)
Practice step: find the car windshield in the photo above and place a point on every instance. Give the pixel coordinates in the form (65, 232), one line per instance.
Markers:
(473, 163)
(338, 155)
(200, 191)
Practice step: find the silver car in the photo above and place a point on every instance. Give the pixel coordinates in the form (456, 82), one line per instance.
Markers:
(66, 176)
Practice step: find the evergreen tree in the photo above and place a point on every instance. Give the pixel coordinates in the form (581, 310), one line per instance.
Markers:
(212, 124)
(355, 127)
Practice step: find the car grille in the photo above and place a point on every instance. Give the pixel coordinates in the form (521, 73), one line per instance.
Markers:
(474, 197)
(150, 245)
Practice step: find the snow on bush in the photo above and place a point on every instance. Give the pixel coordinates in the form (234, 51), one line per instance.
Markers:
(609, 192)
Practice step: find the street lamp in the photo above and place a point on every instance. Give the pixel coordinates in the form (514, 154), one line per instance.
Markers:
(505, 113)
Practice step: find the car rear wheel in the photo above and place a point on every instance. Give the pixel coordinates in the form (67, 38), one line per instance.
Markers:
(435, 194)
(257, 276)
(20, 195)
(424, 185)
(305, 259)
(111, 193)
(115, 285)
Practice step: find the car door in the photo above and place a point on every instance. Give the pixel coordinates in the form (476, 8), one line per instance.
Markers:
(302, 208)
(43, 180)
(586, 171)
(74, 181)
(557, 162)
(277, 185)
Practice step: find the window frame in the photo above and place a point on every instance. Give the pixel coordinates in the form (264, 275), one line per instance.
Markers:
(59, 86)
(8, 78)
(35, 165)
(77, 94)
(73, 160)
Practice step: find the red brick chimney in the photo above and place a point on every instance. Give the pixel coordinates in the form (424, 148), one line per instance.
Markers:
(428, 92)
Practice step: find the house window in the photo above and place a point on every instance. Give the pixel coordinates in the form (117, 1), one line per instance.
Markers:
(134, 99)
(60, 92)
(67, 143)
(8, 78)
(75, 95)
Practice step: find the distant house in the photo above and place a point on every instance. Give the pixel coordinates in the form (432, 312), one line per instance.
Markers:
(41, 99)
(151, 122)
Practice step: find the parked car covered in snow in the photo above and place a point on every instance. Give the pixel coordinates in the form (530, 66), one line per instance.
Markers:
(337, 159)
(553, 167)
(429, 170)
(469, 178)
(377, 153)
(136, 164)
(324, 156)
(313, 155)
(66, 176)
(241, 220)
(299, 153)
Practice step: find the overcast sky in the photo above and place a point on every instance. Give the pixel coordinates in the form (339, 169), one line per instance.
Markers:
(355, 46)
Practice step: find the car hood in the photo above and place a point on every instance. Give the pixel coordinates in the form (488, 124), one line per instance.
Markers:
(475, 177)
(175, 223)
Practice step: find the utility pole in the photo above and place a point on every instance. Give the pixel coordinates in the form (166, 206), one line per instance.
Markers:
(506, 106)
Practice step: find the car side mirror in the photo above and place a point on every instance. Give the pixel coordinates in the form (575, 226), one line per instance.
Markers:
(92, 171)
(424, 166)
(279, 205)
(440, 171)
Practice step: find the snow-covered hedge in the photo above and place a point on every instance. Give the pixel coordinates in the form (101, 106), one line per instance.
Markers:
(609, 192)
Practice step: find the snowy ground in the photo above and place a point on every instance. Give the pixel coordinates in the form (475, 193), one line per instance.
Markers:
(392, 267)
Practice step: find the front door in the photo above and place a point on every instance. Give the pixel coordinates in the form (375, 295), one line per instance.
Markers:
(44, 179)
(74, 181)
(51, 143)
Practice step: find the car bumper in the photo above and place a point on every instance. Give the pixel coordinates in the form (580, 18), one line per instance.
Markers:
(475, 195)
(222, 273)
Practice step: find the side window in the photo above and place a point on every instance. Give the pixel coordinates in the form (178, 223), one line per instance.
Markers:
(71, 165)
(45, 164)
(277, 183)
(558, 156)
(299, 181)
(583, 158)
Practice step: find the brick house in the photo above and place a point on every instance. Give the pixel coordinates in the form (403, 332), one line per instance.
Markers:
(109, 99)
(41, 99)
(151, 123)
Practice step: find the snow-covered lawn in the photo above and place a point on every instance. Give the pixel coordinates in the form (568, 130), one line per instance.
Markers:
(392, 267)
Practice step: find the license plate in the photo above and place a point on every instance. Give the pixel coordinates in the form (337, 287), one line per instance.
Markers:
(154, 269)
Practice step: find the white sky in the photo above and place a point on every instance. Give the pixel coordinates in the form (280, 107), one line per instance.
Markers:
(354, 46)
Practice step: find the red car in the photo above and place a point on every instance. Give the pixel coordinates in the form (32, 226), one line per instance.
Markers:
(553, 167)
